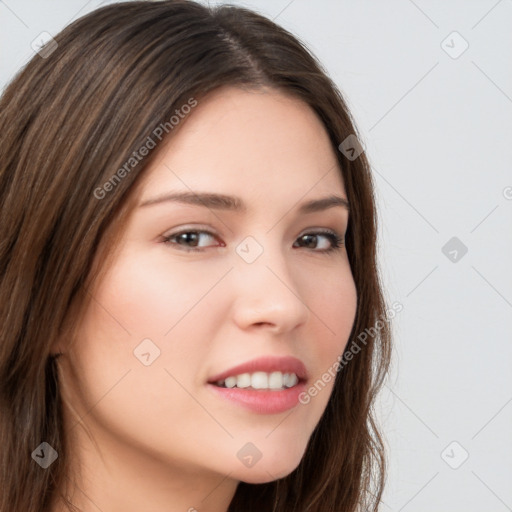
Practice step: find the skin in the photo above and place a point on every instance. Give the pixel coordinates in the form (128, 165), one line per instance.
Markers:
(155, 437)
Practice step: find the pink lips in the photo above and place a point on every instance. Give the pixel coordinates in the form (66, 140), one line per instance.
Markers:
(263, 401)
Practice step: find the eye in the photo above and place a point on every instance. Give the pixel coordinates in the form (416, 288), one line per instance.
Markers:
(188, 240)
(334, 241)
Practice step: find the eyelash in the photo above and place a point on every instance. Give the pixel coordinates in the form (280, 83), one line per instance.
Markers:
(336, 241)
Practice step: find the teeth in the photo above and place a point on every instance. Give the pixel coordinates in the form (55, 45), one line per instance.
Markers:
(290, 379)
(261, 380)
(230, 382)
(275, 380)
(243, 381)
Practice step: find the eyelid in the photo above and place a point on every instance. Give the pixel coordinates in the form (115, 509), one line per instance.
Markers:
(186, 228)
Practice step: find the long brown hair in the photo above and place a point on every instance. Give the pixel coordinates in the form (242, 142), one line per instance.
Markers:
(68, 121)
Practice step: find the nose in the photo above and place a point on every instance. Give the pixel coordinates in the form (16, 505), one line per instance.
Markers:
(267, 295)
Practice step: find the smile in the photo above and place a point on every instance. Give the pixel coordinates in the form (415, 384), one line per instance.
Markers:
(266, 385)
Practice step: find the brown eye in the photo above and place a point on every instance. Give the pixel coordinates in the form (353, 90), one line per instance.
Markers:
(187, 240)
(311, 240)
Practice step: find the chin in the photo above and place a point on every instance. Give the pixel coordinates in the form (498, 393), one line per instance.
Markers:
(265, 471)
(262, 476)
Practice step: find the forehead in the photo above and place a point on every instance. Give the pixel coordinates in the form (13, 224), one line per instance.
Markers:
(254, 142)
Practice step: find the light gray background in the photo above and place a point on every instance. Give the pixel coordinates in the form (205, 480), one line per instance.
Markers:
(438, 131)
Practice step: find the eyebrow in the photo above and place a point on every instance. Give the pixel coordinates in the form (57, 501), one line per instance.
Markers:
(235, 204)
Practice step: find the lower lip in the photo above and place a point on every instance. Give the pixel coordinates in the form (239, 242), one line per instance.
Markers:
(262, 401)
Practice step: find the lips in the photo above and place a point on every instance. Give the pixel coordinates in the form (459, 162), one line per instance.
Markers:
(260, 399)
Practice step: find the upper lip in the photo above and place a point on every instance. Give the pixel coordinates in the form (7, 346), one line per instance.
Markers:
(266, 364)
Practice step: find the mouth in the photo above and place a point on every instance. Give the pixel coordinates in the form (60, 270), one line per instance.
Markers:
(268, 385)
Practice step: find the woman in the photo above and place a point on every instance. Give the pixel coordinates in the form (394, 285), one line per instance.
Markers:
(188, 261)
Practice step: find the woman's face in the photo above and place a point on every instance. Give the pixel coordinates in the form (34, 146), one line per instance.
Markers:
(156, 356)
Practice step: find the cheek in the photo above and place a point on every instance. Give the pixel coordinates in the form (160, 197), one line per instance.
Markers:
(138, 309)
(333, 305)
(146, 295)
(144, 305)
(150, 295)
(137, 403)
